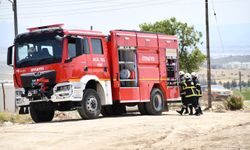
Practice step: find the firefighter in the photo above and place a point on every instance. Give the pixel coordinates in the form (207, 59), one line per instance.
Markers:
(182, 80)
(187, 93)
(198, 110)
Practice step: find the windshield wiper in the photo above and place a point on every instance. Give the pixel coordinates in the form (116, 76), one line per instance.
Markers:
(49, 59)
(24, 63)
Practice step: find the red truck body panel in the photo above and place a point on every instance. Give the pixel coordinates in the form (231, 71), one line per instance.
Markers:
(134, 62)
(150, 65)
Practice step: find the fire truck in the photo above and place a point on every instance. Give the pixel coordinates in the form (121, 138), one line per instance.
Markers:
(87, 71)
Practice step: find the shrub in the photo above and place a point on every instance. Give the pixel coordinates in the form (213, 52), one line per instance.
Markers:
(235, 102)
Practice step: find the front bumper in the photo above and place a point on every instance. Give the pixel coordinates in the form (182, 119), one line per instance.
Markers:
(62, 92)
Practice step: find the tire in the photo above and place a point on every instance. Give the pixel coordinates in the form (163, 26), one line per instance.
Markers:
(42, 112)
(119, 109)
(116, 109)
(107, 111)
(156, 104)
(91, 105)
(142, 109)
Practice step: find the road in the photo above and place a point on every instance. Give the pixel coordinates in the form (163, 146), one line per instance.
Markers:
(230, 130)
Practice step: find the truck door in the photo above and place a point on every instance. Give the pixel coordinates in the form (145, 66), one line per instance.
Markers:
(99, 62)
(76, 63)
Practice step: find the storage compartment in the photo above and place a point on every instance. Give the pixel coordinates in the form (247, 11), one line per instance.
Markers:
(127, 67)
(172, 67)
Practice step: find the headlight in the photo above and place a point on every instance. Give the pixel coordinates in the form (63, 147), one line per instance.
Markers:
(20, 97)
(63, 90)
(19, 92)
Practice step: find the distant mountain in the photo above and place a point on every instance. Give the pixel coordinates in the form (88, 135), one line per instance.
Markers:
(242, 59)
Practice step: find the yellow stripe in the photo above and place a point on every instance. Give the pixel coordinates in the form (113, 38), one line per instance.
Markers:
(190, 87)
(74, 80)
(161, 79)
(105, 79)
(148, 79)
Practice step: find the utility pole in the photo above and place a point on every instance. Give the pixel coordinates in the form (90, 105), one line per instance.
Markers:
(208, 56)
(3, 96)
(14, 8)
(240, 80)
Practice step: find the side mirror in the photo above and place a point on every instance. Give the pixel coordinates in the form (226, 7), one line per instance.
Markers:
(10, 56)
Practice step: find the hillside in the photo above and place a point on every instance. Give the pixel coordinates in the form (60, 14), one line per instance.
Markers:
(241, 58)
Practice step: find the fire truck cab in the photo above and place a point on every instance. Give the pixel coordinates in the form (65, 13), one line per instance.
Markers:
(84, 70)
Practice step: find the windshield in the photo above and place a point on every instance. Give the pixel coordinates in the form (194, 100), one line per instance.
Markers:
(38, 50)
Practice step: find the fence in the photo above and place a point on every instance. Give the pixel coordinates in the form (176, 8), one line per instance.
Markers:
(7, 97)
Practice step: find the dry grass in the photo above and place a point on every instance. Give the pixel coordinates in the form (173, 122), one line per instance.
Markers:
(14, 118)
(225, 75)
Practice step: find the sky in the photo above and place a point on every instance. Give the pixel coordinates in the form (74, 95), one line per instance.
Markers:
(230, 31)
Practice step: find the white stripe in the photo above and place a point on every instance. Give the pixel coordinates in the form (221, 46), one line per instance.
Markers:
(131, 101)
(174, 99)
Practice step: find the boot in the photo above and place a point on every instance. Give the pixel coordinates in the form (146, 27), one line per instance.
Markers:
(200, 111)
(186, 111)
(197, 112)
(180, 111)
(191, 110)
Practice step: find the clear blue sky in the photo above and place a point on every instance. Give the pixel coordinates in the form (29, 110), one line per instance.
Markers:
(233, 16)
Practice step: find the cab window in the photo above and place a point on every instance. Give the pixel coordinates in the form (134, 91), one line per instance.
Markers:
(85, 46)
(77, 47)
(72, 51)
(96, 46)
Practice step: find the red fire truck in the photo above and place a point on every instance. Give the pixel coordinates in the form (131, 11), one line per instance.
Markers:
(84, 70)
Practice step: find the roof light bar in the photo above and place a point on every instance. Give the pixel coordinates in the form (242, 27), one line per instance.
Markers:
(45, 27)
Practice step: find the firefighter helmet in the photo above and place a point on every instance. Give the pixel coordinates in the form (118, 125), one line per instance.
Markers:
(181, 73)
(194, 74)
(187, 76)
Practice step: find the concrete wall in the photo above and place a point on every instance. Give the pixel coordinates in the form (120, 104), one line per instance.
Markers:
(9, 98)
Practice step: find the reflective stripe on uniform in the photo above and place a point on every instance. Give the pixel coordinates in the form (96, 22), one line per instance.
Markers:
(189, 87)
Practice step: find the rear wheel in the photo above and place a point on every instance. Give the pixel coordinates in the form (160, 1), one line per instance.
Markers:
(42, 112)
(156, 104)
(91, 105)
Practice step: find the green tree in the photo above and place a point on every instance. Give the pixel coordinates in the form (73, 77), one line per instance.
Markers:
(189, 41)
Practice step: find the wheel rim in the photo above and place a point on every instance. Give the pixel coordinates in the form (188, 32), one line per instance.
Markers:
(91, 104)
(157, 102)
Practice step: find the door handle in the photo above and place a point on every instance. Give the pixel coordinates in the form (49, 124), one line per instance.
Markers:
(85, 68)
(105, 69)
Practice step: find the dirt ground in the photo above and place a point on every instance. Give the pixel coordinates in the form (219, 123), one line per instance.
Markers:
(228, 130)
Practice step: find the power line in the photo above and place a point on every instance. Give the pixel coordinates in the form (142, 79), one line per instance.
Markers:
(217, 27)
(96, 9)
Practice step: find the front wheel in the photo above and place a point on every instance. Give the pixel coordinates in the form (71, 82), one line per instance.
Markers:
(42, 112)
(156, 104)
(91, 105)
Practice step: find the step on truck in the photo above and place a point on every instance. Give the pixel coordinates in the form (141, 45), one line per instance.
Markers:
(87, 71)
